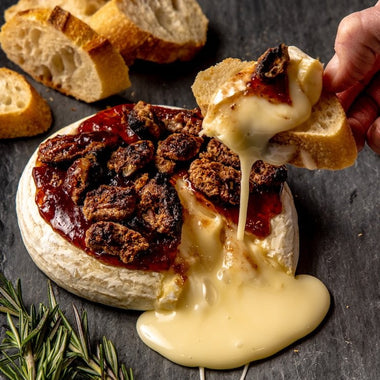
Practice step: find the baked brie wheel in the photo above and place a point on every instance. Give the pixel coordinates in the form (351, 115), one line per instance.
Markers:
(107, 206)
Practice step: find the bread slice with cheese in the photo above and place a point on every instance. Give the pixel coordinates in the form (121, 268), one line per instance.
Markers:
(324, 141)
(64, 53)
(23, 112)
(83, 9)
(159, 31)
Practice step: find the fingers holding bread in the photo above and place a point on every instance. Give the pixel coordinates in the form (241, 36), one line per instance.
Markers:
(322, 141)
(23, 112)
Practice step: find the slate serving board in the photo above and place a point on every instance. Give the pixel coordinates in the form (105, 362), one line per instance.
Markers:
(339, 212)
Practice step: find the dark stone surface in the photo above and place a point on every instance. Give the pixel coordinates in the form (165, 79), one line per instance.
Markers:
(338, 211)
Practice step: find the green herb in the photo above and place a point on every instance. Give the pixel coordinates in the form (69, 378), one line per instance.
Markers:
(44, 345)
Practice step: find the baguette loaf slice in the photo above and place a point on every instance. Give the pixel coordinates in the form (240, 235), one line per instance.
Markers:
(62, 52)
(23, 112)
(324, 141)
(159, 31)
(83, 9)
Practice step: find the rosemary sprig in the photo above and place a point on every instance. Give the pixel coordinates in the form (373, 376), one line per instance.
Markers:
(42, 344)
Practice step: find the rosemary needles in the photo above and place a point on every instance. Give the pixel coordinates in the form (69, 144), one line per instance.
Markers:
(42, 344)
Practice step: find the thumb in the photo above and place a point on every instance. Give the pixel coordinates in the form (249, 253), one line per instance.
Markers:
(357, 47)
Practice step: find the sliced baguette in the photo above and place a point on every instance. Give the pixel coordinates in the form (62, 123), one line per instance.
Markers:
(23, 112)
(64, 53)
(324, 141)
(159, 31)
(83, 9)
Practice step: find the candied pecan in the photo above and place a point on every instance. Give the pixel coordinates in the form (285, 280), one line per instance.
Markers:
(164, 165)
(219, 182)
(185, 121)
(217, 151)
(63, 149)
(140, 181)
(272, 63)
(264, 175)
(179, 147)
(109, 203)
(117, 240)
(143, 121)
(127, 160)
(78, 177)
(160, 207)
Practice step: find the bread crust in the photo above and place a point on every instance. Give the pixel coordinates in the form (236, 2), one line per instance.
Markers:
(109, 73)
(82, 9)
(74, 270)
(325, 141)
(318, 151)
(32, 118)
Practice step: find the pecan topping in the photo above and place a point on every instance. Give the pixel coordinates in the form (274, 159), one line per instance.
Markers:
(127, 160)
(109, 203)
(219, 182)
(144, 122)
(78, 177)
(179, 147)
(272, 63)
(217, 174)
(63, 149)
(117, 240)
(159, 206)
(118, 172)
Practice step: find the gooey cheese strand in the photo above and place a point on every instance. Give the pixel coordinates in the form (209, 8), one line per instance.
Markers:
(238, 304)
(246, 123)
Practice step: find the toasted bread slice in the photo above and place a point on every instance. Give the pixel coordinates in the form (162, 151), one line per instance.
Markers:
(162, 32)
(23, 112)
(324, 141)
(64, 53)
(83, 9)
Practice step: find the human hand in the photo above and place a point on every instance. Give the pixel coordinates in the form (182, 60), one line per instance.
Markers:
(354, 74)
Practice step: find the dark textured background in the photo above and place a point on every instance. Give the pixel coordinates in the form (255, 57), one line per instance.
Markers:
(338, 211)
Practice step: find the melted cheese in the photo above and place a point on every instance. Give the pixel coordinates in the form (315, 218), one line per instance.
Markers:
(246, 123)
(238, 305)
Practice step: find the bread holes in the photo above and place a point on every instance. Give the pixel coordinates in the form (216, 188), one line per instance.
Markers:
(20, 104)
(60, 56)
(35, 35)
(44, 73)
(176, 5)
(57, 64)
(68, 58)
(5, 101)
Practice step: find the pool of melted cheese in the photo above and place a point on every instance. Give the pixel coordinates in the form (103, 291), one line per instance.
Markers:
(239, 303)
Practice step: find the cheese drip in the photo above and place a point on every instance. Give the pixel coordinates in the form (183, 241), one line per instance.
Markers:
(239, 305)
(246, 122)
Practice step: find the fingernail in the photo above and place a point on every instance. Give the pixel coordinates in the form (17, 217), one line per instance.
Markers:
(331, 71)
(373, 136)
